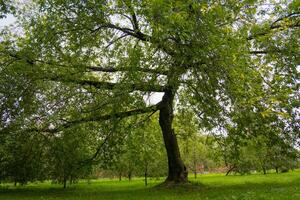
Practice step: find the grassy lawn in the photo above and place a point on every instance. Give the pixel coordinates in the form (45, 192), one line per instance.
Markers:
(271, 186)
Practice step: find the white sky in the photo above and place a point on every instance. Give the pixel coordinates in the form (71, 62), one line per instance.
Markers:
(154, 98)
(9, 20)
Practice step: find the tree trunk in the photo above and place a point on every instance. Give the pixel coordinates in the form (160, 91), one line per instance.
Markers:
(230, 169)
(264, 170)
(177, 170)
(195, 162)
(146, 179)
(65, 182)
(195, 168)
(120, 176)
(146, 175)
(129, 175)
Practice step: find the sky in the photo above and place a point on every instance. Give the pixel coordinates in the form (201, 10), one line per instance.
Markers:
(9, 20)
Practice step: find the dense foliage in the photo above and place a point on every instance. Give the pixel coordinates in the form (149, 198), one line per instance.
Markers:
(75, 76)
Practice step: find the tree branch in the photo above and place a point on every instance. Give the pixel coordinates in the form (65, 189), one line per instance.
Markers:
(112, 69)
(273, 26)
(144, 87)
(137, 34)
(101, 84)
(91, 160)
(261, 52)
(90, 68)
(258, 52)
(97, 118)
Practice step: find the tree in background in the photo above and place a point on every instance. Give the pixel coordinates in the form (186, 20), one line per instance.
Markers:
(260, 153)
(142, 152)
(196, 148)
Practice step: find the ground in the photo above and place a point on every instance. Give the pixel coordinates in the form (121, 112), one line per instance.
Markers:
(270, 186)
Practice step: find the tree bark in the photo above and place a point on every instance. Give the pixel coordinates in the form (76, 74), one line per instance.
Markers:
(177, 171)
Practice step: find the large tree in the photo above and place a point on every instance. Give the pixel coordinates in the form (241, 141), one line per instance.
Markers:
(95, 61)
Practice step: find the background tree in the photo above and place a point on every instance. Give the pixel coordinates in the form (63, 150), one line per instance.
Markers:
(195, 147)
(142, 152)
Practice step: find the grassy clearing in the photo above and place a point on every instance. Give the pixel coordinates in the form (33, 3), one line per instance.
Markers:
(271, 186)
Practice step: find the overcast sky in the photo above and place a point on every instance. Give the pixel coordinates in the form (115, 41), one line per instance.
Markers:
(10, 19)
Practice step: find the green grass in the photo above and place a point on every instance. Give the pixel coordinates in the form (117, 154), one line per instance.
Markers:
(271, 186)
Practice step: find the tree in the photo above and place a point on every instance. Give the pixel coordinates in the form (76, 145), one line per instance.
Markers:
(194, 146)
(141, 152)
(152, 160)
(66, 156)
(211, 55)
(264, 146)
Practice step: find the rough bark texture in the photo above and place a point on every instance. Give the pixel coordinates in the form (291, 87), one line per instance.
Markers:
(177, 170)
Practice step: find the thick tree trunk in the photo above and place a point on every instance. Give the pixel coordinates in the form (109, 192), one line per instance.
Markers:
(177, 170)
